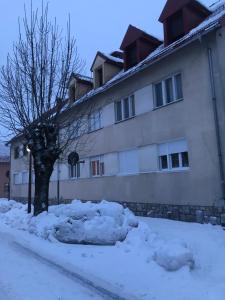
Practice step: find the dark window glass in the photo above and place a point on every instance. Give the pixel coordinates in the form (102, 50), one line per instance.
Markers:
(102, 165)
(16, 152)
(158, 94)
(185, 159)
(179, 90)
(100, 76)
(126, 108)
(169, 90)
(163, 162)
(175, 160)
(176, 26)
(131, 55)
(132, 104)
(25, 152)
(118, 106)
(75, 171)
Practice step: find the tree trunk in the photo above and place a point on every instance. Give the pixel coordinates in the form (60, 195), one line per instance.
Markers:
(42, 181)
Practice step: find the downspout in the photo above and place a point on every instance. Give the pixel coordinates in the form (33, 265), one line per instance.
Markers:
(216, 119)
(10, 173)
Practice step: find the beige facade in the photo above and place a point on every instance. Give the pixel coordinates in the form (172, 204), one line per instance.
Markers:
(130, 149)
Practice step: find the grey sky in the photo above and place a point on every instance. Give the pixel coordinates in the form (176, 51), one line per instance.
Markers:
(96, 24)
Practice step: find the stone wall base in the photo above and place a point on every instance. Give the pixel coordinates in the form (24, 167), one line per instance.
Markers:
(214, 215)
(186, 213)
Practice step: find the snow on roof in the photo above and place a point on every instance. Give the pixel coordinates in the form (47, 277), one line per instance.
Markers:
(206, 26)
(83, 77)
(113, 58)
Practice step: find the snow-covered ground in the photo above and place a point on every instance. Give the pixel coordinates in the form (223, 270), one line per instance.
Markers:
(159, 259)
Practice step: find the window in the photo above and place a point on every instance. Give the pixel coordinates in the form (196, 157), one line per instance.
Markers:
(158, 94)
(128, 162)
(25, 177)
(176, 26)
(131, 55)
(97, 166)
(74, 171)
(25, 152)
(173, 156)
(125, 108)
(16, 178)
(168, 90)
(94, 121)
(100, 76)
(16, 152)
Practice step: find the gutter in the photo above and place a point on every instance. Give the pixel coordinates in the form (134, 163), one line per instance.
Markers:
(216, 119)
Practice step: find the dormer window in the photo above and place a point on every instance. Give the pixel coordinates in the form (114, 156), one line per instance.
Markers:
(180, 17)
(131, 55)
(99, 76)
(137, 45)
(105, 66)
(176, 26)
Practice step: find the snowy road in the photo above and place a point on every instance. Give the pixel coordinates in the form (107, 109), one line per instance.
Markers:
(24, 277)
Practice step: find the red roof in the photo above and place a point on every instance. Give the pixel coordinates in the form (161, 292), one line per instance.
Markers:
(172, 6)
(133, 33)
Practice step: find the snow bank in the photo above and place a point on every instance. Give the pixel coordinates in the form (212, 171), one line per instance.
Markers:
(104, 223)
(172, 255)
(6, 205)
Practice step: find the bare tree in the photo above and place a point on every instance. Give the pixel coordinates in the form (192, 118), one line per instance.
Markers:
(33, 89)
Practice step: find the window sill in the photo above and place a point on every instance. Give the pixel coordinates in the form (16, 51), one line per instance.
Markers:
(178, 170)
(168, 104)
(124, 120)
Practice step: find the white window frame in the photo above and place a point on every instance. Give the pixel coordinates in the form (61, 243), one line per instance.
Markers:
(132, 113)
(164, 100)
(76, 171)
(14, 181)
(101, 163)
(97, 117)
(27, 178)
(168, 154)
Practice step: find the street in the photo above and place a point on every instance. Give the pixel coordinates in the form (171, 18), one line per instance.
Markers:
(23, 277)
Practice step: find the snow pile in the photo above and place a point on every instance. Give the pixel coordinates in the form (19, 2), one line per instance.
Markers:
(6, 205)
(104, 223)
(172, 255)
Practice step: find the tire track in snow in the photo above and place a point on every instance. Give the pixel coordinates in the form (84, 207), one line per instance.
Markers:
(105, 293)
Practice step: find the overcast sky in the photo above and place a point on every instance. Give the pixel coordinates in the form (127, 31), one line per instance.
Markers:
(96, 24)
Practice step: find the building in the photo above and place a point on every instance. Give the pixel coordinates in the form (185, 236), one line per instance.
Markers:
(158, 123)
(4, 171)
